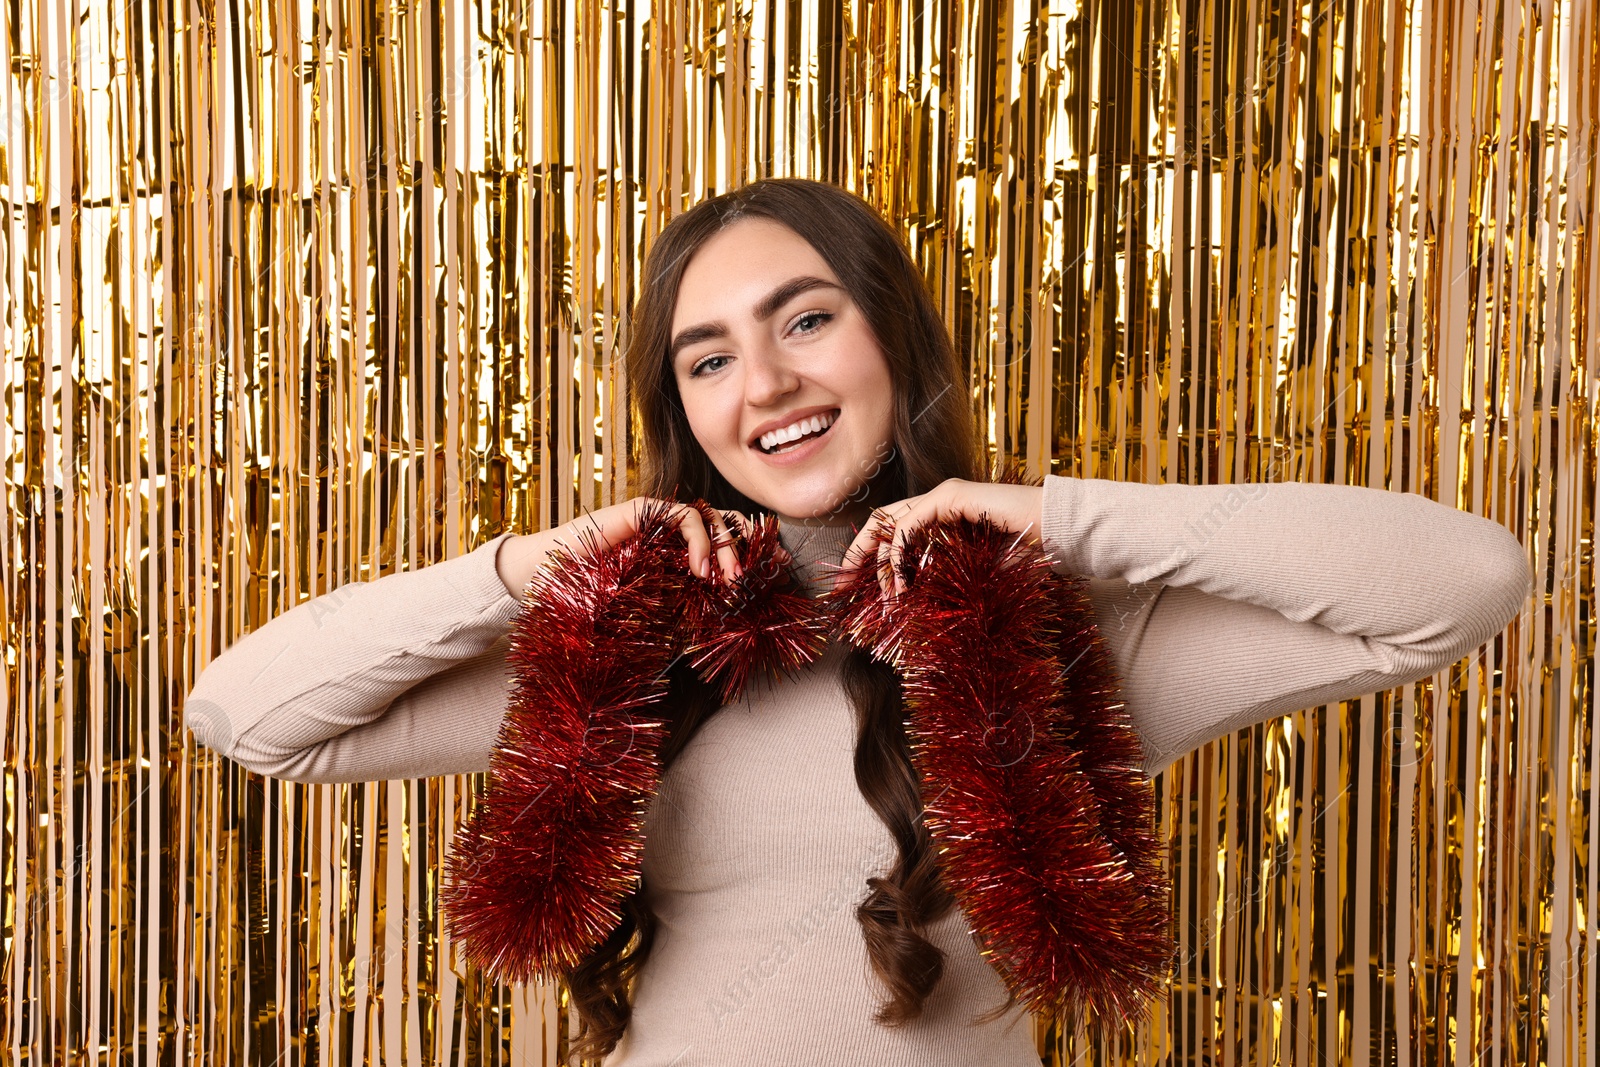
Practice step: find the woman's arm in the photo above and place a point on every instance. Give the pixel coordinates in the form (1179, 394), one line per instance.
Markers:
(1225, 605)
(401, 677)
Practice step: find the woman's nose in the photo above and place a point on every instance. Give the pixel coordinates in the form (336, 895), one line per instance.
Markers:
(767, 377)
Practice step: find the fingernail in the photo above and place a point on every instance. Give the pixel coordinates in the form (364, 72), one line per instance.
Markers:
(705, 567)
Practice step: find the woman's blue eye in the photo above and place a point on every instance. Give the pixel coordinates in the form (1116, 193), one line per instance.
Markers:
(709, 359)
(819, 317)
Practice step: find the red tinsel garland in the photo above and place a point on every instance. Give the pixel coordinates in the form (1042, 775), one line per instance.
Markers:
(1030, 769)
(1029, 765)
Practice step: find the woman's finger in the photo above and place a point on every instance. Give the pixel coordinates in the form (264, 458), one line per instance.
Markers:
(727, 554)
(893, 552)
(885, 574)
(864, 550)
(850, 560)
(747, 525)
(720, 556)
(710, 547)
(693, 530)
(897, 549)
(897, 520)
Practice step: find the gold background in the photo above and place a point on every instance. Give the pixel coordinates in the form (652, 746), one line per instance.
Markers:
(299, 294)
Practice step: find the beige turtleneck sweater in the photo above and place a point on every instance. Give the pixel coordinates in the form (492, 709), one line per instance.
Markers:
(1223, 605)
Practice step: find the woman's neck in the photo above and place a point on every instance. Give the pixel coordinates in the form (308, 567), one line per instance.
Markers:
(816, 547)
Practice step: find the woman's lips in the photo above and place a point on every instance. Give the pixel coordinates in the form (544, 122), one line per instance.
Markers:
(801, 452)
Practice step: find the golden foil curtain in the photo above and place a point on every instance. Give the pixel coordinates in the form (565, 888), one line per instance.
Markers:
(299, 294)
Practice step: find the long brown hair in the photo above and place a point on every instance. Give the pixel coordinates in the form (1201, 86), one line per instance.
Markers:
(873, 265)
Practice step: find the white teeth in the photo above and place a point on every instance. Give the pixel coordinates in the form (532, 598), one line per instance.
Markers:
(794, 432)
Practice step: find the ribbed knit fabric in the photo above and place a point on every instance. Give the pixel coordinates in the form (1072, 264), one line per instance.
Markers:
(1223, 605)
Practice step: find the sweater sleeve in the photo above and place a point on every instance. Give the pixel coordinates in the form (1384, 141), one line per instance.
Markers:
(1225, 605)
(402, 677)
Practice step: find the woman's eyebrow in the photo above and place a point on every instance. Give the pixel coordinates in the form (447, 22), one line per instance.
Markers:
(765, 308)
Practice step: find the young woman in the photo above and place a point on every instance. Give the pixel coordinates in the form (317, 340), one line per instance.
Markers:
(786, 357)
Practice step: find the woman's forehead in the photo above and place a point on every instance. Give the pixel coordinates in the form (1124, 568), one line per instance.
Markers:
(738, 268)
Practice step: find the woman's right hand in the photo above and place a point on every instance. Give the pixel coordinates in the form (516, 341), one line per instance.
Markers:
(520, 558)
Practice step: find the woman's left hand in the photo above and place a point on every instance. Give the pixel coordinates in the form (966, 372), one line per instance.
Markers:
(1013, 507)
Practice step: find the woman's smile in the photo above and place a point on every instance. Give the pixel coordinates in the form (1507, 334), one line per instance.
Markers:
(798, 440)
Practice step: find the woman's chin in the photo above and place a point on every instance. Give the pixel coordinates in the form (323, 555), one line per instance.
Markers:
(829, 499)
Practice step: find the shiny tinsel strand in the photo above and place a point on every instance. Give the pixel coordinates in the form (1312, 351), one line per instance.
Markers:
(538, 874)
(1030, 767)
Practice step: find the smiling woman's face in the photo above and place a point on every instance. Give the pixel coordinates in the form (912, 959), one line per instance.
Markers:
(763, 336)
